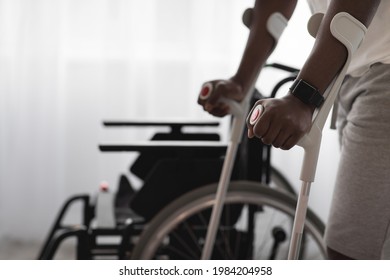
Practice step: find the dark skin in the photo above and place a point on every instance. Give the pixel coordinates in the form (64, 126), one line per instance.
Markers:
(285, 120)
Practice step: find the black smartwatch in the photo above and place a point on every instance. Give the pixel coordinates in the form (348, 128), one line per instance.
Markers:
(307, 93)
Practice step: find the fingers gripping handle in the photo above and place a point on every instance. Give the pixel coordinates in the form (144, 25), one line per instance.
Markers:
(235, 108)
(350, 32)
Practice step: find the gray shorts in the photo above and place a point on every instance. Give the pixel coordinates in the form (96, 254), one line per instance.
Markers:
(359, 218)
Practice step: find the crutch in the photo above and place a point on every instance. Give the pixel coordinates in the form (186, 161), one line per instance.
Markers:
(350, 32)
(275, 26)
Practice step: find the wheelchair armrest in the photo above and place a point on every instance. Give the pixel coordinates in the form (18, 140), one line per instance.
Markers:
(174, 146)
(174, 125)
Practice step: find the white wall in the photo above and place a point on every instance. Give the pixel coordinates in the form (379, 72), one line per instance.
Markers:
(67, 65)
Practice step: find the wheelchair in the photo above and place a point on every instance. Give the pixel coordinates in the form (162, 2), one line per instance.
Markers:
(168, 217)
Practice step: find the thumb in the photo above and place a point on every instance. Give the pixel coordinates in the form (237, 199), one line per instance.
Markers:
(253, 117)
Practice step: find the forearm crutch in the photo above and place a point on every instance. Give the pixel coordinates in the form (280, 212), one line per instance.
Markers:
(350, 32)
(275, 26)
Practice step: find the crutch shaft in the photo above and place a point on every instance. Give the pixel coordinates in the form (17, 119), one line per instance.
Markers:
(299, 221)
(275, 25)
(219, 201)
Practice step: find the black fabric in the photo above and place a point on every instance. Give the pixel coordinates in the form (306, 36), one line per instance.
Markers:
(145, 162)
(171, 178)
(124, 193)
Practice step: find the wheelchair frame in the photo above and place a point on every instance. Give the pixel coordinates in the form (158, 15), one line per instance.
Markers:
(256, 169)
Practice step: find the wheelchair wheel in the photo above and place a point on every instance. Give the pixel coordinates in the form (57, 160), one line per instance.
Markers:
(256, 224)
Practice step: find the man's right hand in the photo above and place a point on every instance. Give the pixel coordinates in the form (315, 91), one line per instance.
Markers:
(282, 122)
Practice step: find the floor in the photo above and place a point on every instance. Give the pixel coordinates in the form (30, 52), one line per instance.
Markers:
(23, 250)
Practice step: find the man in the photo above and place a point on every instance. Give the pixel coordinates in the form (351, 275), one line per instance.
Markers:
(360, 214)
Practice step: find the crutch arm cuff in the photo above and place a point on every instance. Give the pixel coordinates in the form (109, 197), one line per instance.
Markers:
(276, 24)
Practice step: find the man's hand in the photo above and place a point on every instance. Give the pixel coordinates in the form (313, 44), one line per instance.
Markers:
(282, 122)
(220, 88)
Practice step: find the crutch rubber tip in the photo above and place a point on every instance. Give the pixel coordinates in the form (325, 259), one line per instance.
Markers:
(256, 113)
(206, 91)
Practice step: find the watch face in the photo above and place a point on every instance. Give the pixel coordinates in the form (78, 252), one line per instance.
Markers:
(306, 93)
(306, 90)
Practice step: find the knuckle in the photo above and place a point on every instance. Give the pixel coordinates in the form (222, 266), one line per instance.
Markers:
(276, 144)
(257, 131)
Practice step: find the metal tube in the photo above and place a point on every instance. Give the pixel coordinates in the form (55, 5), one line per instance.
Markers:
(219, 200)
(299, 221)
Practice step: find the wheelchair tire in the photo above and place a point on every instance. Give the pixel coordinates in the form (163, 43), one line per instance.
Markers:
(256, 224)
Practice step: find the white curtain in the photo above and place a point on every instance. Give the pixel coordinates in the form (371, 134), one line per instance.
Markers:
(67, 65)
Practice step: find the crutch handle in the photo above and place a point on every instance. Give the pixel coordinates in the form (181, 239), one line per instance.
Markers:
(255, 114)
(235, 108)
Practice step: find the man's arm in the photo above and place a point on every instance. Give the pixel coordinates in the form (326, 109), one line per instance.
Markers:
(260, 42)
(259, 46)
(285, 120)
(328, 55)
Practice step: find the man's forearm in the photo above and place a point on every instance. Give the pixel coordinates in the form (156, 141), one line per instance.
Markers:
(260, 42)
(328, 55)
